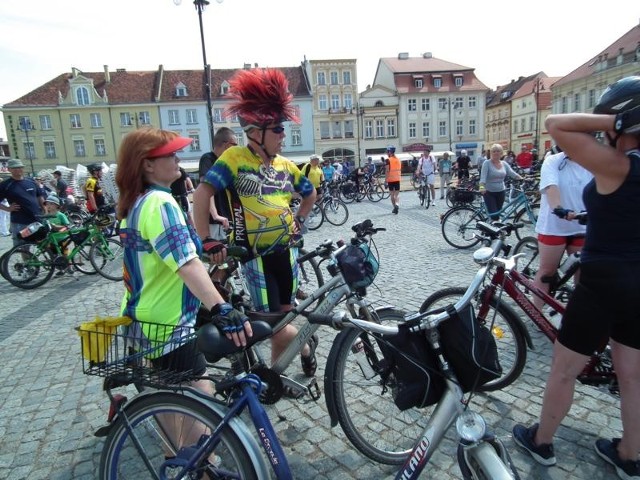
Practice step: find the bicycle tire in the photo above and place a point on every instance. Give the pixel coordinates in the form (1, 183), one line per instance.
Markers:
(367, 414)
(386, 193)
(415, 183)
(507, 332)
(315, 219)
(522, 216)
(81, 261)
(421, 191)
(310, 276)
(427, 198)
(26, 266)
(107, 257)
(529, 264)
(121, 460)
(347, 192)
(336, 212)
(458, 227)
(374, 193)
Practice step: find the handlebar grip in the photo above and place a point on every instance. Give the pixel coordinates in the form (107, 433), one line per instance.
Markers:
(236, 251)
(334, 320)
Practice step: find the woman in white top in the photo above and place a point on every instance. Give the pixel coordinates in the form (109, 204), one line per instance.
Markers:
(492, 176)
(561, 184)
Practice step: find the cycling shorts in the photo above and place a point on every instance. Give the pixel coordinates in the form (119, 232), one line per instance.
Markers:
(394, 186)
(605, 304)
(272, 280)
(554, 240)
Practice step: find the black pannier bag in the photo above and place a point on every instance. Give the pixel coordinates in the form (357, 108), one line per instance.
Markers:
(410, 369)
(463, 196)
(470, 349)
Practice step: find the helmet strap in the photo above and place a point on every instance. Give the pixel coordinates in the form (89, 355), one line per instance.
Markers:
(613, 141)
(261, 144)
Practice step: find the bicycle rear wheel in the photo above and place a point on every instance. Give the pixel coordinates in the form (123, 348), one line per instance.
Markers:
(81, 261)
(156, 423)
(107, 257)
(27, 266)
(366, 410)
(421, 194)
(315, 217)
(459, 227)
(529, 221)
(507, 331)
(529, 264)
(310, 277)
(336, 212)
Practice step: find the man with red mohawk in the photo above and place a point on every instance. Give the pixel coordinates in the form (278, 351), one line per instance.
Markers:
(260, 185)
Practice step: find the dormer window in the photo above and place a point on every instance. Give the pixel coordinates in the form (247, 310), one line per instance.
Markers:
(458, 80)
(417, 82)
(82, 96)
(181, 90)
(437, 81)
(224, 88)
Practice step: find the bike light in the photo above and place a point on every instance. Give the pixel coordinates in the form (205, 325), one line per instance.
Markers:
(471, 426)
(483, 255)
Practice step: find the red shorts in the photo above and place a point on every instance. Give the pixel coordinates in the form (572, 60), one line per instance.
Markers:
(569, 241)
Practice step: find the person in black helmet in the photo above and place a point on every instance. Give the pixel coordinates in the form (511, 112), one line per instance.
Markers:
(260, 184)
(93, 189)
(606, 302)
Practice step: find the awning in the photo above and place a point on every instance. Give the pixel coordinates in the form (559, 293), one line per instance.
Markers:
(466, 145)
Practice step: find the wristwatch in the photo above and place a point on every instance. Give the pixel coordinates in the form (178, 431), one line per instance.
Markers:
(300, 219)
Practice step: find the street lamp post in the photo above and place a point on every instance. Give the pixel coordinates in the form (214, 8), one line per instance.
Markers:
(200, 4)
(449, 122)
(26, 126)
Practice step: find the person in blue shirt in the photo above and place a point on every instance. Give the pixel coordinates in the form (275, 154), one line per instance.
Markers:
(328, 170)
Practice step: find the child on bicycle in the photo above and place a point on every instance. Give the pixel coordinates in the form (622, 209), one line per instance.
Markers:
(59, 222)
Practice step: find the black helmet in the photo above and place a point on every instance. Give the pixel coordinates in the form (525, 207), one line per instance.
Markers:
(94, 167)
(620, 96)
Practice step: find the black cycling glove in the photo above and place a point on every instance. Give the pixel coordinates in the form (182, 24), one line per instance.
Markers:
(228, 319)
(628, 122)
(561, 212)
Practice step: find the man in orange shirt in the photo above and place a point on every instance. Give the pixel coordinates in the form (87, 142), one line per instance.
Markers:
(393, 177)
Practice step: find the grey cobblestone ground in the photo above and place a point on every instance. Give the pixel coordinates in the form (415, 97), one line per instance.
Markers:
(49, 409)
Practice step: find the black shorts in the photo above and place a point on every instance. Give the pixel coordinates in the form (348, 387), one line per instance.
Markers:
(186, 358)
(605, 304)
(394, 186)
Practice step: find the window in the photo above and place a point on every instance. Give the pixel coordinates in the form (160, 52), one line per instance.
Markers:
(334, 78)
(322, 102)
(346, 77)
(101, 149)
(174, 117)
(391, 127)
(412, 129)
(82, 96)
(515, 126)
(531, 123)
(75, 120)
(322, 78)
(522, 125)
(145, 118)
(379, 128)
(96, 120)
(563, 105)
(459, 127)
(426, 129)
(195, 142)
(442, 128)
(591, 98)
(348, 101)
(296, 136)
(418, 83)
(337, 129)
(217, 115)
(125, 119)
(191, 116)
(425, 105)
(458, 102)
(49, 149)
(368, 129)
(78, 148)
(181, 91)
(45, 122)
(473, 101)
(472, 127)
(335, 101)
(348, 129)
(224, 88)
(458, 81)
(576, 102)
(324, 130)
(411, 104)
(442, 103)
(437, 82)
(29, 149)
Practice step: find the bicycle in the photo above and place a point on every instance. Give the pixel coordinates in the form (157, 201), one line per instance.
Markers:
(458, 224)
(423, 192)
(330, 208)
(32, 264)
(502, 276)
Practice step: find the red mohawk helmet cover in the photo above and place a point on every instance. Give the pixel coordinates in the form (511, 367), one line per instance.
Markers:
(260, 96)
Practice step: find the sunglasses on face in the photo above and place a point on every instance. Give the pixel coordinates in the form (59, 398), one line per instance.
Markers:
(277, 130)
(172, 156)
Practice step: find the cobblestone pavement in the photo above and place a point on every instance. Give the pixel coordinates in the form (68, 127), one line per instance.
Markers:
(49, 409)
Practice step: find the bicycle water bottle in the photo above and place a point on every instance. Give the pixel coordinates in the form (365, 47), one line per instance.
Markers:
(568, 263)
(361, 359)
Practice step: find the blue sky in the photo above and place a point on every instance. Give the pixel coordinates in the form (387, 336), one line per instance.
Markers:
(501, 39)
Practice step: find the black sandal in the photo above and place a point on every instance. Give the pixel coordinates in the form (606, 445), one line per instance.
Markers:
(310, 363)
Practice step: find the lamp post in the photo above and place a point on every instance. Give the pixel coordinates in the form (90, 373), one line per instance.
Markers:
(449, 125)
(26, 126)
(200, 4)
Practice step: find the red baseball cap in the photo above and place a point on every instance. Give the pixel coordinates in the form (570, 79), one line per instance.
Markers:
(172, 146)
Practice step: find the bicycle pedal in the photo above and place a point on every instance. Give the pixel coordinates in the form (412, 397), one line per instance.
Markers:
(314, 390)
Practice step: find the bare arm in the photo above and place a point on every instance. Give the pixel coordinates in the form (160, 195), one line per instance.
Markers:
(216, 216)
(201, 204)
(307, 204)
(553, 196)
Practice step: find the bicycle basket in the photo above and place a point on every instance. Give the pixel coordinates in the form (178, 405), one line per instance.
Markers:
(35, 231)
(463, 196)
(470, 349)
(359, 265)
(410, 369)
(117, 346)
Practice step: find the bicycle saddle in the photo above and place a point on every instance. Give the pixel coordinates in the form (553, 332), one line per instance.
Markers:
(215, 345)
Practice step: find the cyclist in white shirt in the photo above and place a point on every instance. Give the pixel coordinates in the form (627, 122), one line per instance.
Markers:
(427, 169)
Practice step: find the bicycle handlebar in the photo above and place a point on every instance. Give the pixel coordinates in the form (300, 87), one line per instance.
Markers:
(581, 217)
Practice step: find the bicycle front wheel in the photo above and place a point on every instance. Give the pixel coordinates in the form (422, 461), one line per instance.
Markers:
(315, 218)
(529, 218)
(107, 257)
(529, 264)
(336, 212)
(161, 425)
(27, 266)
(81, 261)
(310, 278)
(507, 331)
(459, 227)
(365, 408)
